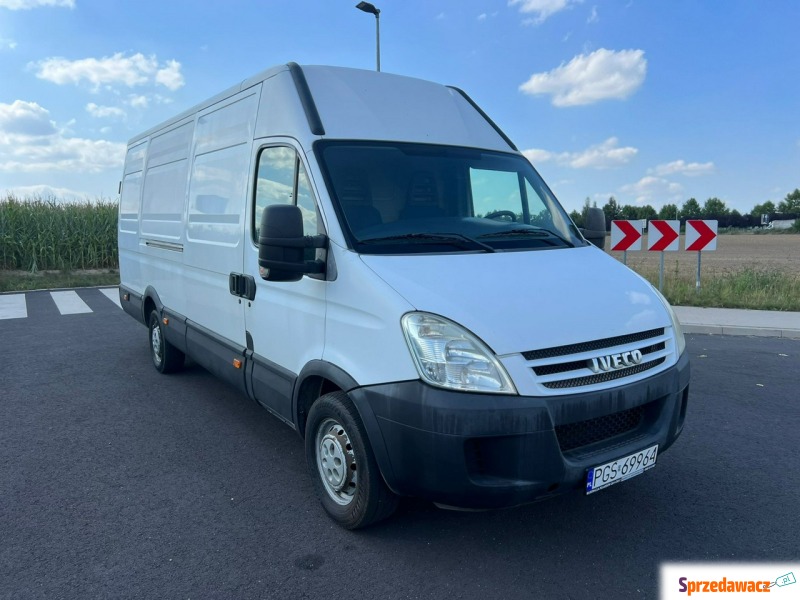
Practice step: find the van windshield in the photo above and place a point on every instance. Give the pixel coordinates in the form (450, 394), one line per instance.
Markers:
(399, 198)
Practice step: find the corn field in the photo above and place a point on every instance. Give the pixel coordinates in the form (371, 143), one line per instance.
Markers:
(42, 234)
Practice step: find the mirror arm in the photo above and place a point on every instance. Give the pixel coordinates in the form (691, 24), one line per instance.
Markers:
(308, 241)
(309, 266)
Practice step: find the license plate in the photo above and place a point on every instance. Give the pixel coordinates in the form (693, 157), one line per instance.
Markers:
(621, 469)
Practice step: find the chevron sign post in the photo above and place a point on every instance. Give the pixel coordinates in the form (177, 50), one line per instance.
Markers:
(663, 236)
(626, 235)
(701, 236)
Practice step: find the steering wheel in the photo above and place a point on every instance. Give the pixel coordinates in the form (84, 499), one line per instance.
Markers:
(501, 213)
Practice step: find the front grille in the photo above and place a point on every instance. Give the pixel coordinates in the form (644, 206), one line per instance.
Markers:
(598, 362)
(593, 345)
(602, 377)
(591, 431)
(554, 368)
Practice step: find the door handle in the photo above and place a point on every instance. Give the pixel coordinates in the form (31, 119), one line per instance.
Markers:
(234, 284)
(243, 286)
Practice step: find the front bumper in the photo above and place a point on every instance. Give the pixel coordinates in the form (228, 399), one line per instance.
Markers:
(490, 451)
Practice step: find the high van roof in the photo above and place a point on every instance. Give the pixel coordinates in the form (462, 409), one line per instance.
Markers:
(321, 102)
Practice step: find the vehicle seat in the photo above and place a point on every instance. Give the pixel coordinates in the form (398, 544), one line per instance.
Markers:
(358, 209)
(423, 198)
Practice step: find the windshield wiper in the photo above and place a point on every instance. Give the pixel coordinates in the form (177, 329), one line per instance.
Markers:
(523, 232)
(455, 239)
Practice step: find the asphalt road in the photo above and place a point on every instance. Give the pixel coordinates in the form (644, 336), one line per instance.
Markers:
(118, 482)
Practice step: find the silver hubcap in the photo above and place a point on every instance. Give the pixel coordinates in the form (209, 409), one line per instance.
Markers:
(336, 462)
(155, 340)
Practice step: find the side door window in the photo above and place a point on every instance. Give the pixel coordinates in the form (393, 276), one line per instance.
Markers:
(281, 179)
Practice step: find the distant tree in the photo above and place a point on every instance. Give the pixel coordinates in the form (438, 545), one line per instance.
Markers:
(763, 209)
(577, 218)
(735, 219)
(668, 211)
(790, 204)
(611, 209)
(691, 209)
(714, 208)
(646, 212)
(629, 212)
(587, 204)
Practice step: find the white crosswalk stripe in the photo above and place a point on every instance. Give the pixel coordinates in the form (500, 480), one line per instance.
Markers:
(13, 306)
(112, 294)
(69, 303)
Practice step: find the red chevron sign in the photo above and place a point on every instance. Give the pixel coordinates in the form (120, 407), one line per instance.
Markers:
(626, 235)
(663, 236)
(701, 236)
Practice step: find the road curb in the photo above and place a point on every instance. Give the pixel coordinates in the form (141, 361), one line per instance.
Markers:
(731, 330)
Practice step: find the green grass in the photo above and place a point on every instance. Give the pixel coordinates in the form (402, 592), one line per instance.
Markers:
(17, 281)
(749, 288)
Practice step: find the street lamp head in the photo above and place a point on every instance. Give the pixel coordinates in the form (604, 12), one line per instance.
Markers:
(368, 8)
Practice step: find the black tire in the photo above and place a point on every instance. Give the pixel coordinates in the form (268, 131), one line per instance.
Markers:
(166, 357)
(355, 496)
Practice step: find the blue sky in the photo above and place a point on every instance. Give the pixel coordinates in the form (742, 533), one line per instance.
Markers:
(652, 102)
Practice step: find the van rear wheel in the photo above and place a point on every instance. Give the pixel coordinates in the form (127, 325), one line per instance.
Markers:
(166, 357)
(342, 466)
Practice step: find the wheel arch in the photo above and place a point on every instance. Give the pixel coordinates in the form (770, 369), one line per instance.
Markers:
(150, 301)
(317, 378)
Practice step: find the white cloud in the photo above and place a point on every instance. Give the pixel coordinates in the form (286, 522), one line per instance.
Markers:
(440, 16)
(537, 155)
(170, 76)
(653, 190)
(482, 17)
(680, 166)
(600, 156)
(143, 101)
(7, 44)
(593, 18)
(25, 119)
(131, 71)
(587, 78)
(31, 142)
(101, 112)
(541, 9)
(139, 101)
(28, 4)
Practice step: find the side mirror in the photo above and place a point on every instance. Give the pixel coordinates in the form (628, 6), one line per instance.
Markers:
(595, 230)
(281, 245)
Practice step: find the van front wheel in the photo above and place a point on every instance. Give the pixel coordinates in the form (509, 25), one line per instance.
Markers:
(166, 357)
(342, 466)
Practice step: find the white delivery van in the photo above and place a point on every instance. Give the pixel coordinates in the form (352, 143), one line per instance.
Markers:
(370, 258)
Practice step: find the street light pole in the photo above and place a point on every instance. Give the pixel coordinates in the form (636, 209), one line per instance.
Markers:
(370, 8)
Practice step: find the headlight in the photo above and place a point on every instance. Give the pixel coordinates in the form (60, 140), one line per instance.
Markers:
(680, 340)
(449, 356)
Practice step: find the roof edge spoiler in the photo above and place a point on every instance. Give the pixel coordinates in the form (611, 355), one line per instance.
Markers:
(310, 108)
(485, 116)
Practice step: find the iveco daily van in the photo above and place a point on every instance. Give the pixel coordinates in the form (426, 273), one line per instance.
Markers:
(370, 258)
